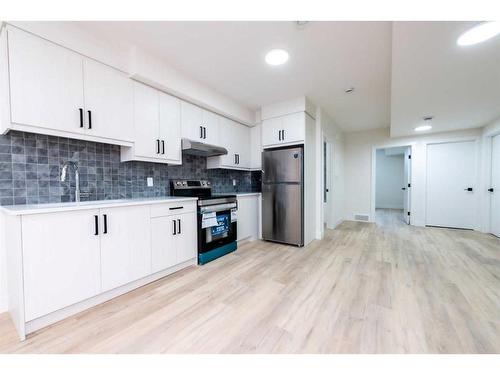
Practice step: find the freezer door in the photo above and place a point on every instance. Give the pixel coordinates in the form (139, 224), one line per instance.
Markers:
(282, 165)
(282, 213)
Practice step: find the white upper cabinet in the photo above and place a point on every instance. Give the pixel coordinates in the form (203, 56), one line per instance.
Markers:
(236, 139)
(46, 84)
(108, 102)
(157, 127)
(170, 128)
(56, 91)
(199, 124)
(146, 122)
(288, 129)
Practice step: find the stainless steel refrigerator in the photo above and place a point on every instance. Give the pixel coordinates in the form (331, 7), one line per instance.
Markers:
(283, 195)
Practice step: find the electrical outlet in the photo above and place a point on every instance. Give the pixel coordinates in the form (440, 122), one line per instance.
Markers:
(150, 181)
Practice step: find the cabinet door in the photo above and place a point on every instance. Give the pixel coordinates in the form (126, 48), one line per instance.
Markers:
(170, 127)
(61, 260)
(164, 252)
(186, 237)
(270, 131)
(242, 145)
(191, 121)
(109, 98)
(293, 127)
(146, 121)
(211, 125)
(227, 141)
(46, 83)
(248, 217)
(125, 245)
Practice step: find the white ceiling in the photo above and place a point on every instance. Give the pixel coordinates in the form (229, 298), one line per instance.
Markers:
(325, 59)
(432, 75)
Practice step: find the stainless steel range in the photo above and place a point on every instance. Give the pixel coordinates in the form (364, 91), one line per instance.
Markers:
(217, 218)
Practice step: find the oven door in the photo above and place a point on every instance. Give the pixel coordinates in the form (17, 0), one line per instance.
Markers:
(217, 226)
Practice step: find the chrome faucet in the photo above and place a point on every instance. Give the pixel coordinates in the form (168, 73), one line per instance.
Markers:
(77, 177)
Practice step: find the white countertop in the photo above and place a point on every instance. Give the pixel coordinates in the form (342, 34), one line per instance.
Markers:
(29, 209)
(246, 194)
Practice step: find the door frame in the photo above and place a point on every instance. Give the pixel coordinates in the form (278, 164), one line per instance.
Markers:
(411, 145)
(477, 178)
(487, 166)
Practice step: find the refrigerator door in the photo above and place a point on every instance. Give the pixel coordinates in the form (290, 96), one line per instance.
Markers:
(282, 213)
(282, 165)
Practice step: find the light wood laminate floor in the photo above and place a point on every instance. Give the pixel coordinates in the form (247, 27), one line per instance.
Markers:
(365, 288)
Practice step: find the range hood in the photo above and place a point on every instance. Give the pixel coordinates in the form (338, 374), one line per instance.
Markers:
(201, 149)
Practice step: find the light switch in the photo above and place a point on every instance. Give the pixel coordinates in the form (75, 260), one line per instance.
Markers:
(150, 181)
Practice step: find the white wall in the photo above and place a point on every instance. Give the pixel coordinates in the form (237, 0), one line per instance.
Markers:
(359, 153)
(330, 132)
(389, 180)
(139, 65)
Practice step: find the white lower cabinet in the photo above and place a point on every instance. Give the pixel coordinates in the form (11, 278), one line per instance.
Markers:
(61, 260)
(64, 262)
(174, 240)
(248, 217)
(125, 234)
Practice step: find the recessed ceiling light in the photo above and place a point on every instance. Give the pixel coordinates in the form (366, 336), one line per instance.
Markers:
(423, 128)
(277, 57)
(479, 33)
(349, 90)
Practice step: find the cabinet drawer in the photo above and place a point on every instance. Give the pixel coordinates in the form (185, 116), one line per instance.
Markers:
(174, 208)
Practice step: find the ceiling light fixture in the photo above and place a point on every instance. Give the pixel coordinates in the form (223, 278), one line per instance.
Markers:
(277, 57)
(479, 33)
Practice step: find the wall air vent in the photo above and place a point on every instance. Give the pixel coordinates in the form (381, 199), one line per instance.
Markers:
(361, 217)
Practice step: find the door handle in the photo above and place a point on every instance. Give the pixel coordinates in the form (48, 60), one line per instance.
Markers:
(163, 147)
(469, 189)
(204, 133)
(90, 119)
(179, 226)
(81, 117)
(491, 190)
(175, 228)
(105, 217)
(157, 146)
(96, 225)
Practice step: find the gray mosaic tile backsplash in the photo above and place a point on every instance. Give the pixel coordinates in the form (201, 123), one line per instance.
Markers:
(30, 172)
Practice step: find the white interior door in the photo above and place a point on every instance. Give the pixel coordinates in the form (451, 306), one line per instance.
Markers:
(451, 171)
(495, 185)
(407, 186)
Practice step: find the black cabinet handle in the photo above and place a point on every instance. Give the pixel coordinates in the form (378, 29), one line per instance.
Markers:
(81, 117)
(179, 225)
(469, 189)
(90, 119)
(403, 188)
(491, 190)
(204, 133)
(176, 208)
(157, 146)
(237, 158)
(201, 132)
(105, 223)
(279, 135)
(163, 147)
(283, 134)
(96, 225)
(175, 228)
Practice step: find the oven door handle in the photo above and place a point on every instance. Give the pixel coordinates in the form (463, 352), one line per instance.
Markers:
(217, 207)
